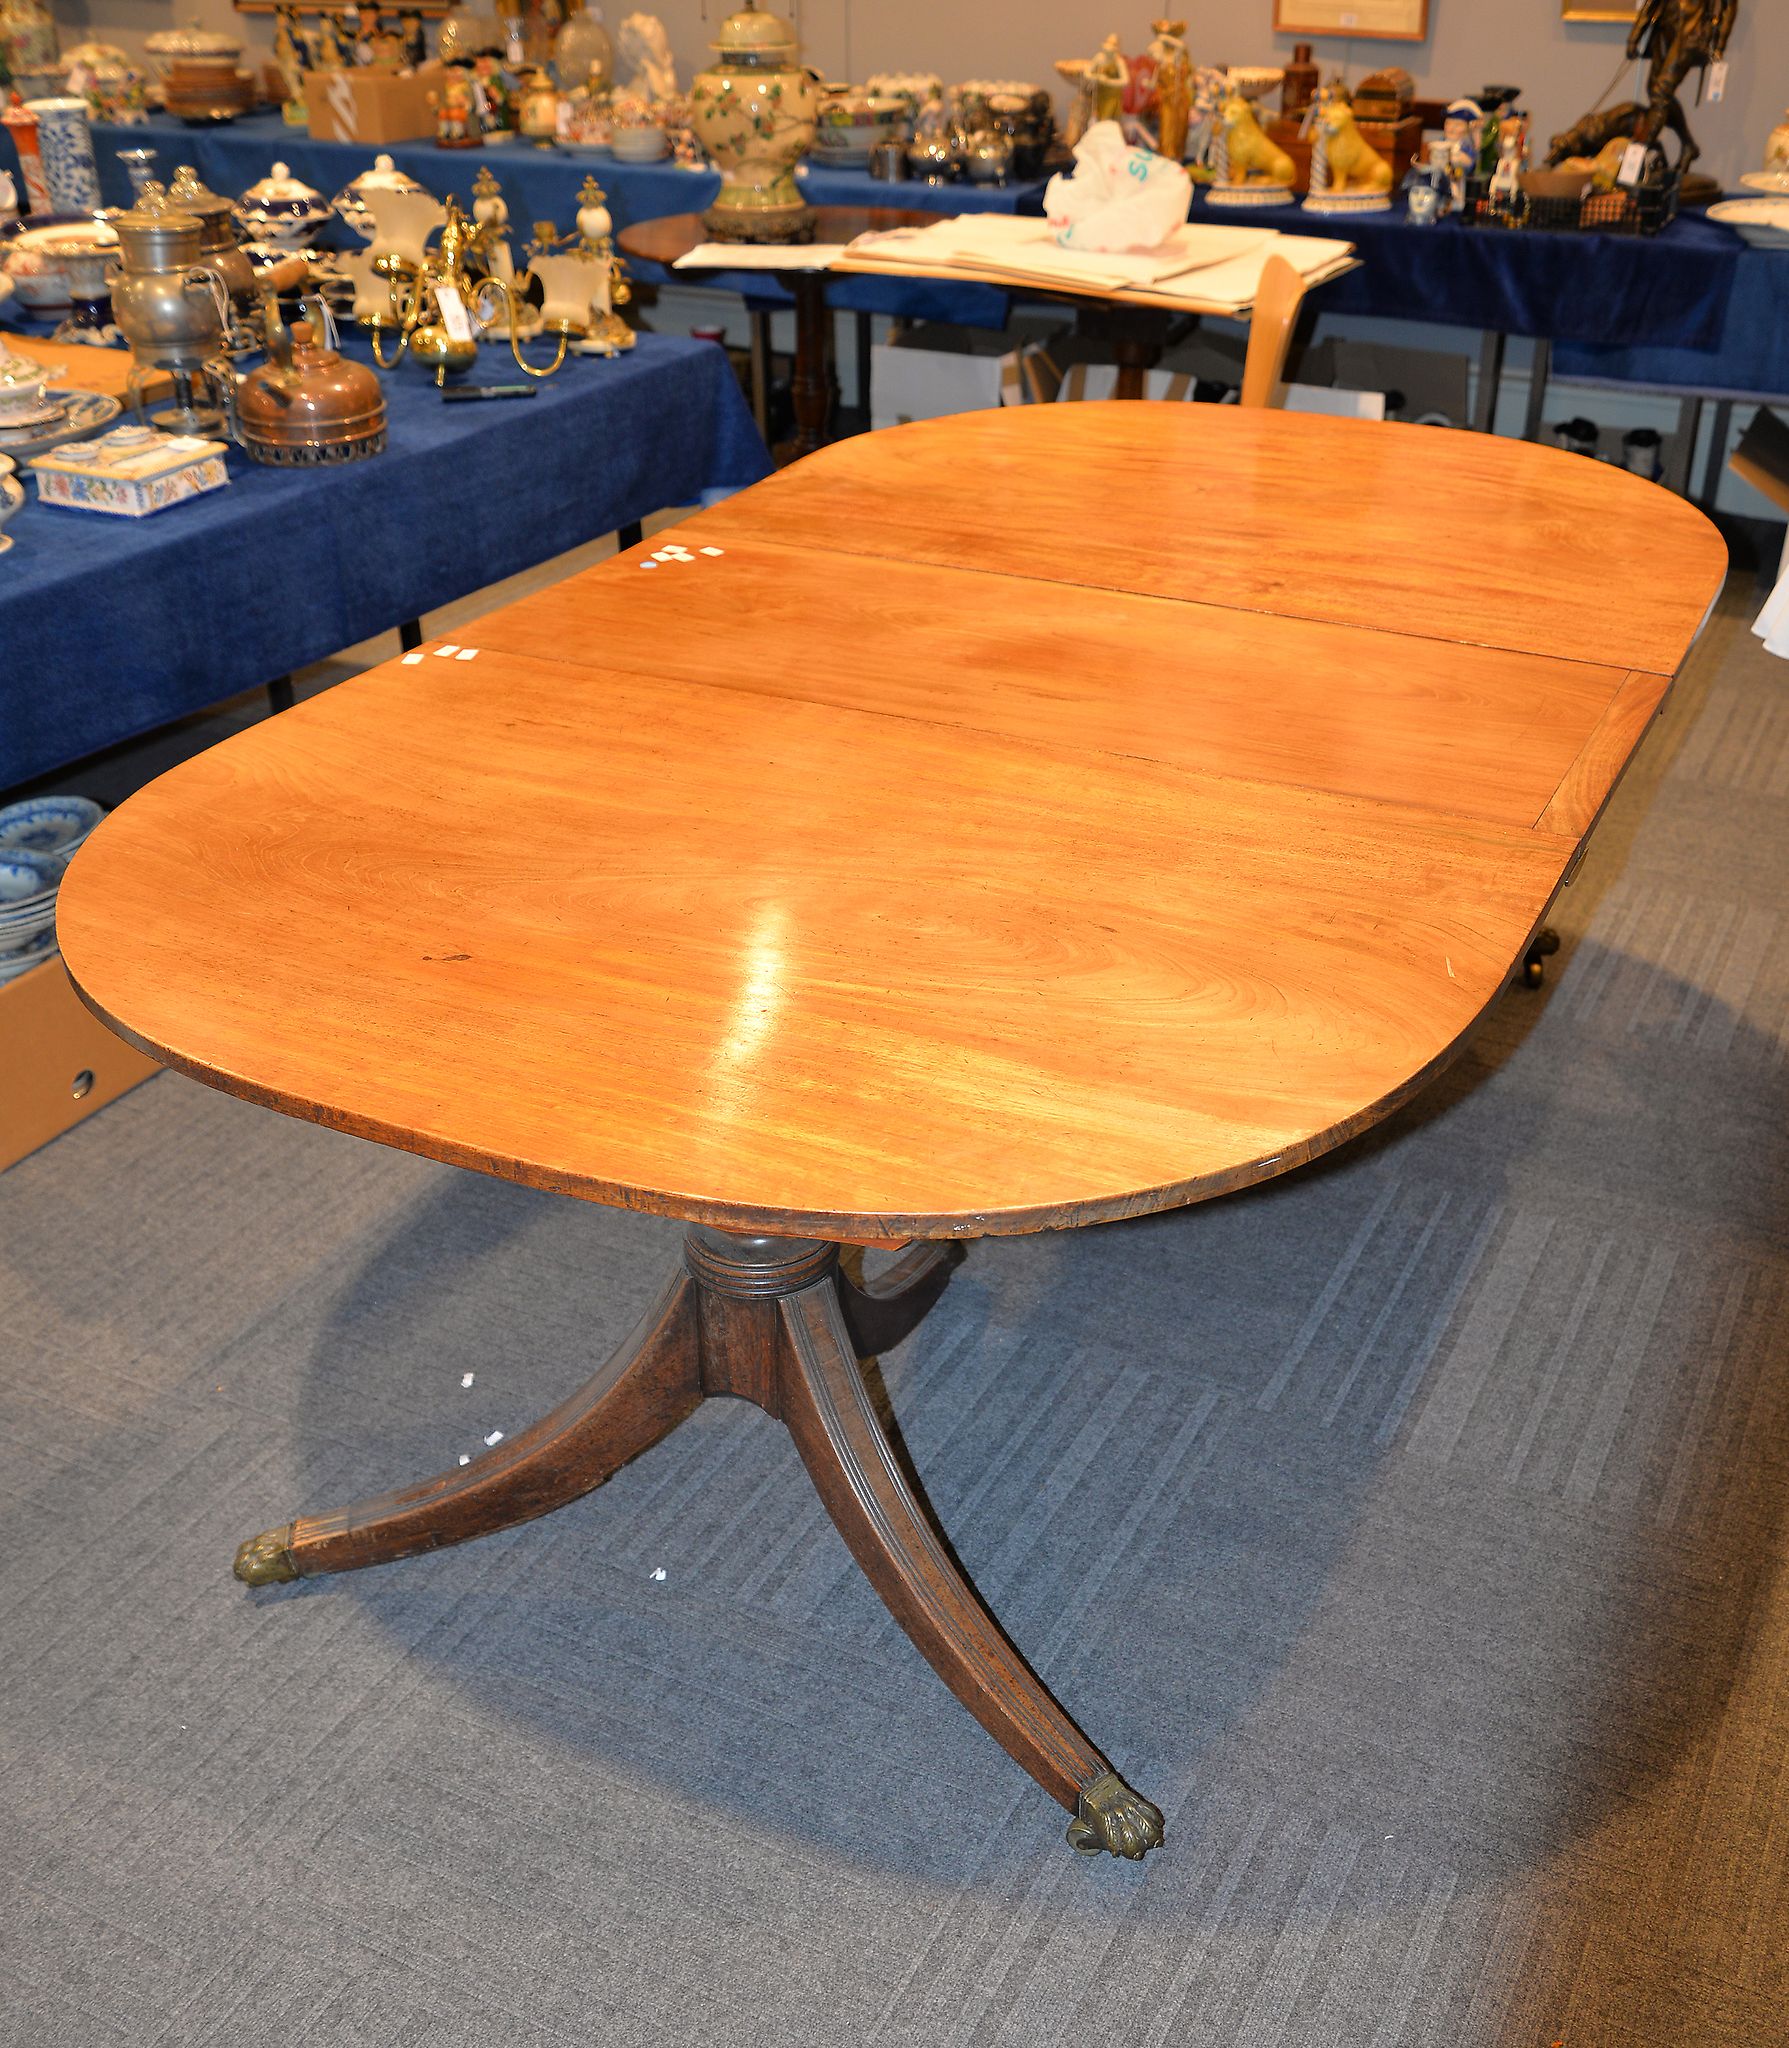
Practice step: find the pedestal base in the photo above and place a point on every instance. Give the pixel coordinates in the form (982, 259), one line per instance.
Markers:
(730, 223)
(1224, 194)
(1348, 202)
(774, 1321)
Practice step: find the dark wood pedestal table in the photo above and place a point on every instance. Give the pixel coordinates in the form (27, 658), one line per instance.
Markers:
(675, 234)
(1007, 822)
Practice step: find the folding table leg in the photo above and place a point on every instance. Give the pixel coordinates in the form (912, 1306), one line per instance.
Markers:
(1490, 382)
(1717, 454)
(409, 636)
(1540, 370)
(863, 366)
(760, 319)
(279, 694)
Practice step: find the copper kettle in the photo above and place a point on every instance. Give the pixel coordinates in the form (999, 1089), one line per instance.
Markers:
(308, 404)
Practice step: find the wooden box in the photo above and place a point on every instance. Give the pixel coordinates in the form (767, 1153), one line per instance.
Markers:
(370, 104)
(58, 1062)
(1399, 142)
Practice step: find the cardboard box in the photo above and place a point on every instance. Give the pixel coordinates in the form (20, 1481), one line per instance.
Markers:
(58, 1062)
(370, 104)
(936, 369)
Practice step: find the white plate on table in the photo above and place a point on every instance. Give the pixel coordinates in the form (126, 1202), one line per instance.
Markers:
(1763, 222)
(86, 412)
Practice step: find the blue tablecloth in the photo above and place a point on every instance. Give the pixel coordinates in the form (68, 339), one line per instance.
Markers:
(1669, 290)
(111, 626)
(1752, 358)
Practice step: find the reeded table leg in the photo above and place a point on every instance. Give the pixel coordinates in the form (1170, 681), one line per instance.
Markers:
(853, 1466)
(773, 1321)
(642, 1394)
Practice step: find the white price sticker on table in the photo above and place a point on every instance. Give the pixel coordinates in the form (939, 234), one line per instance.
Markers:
(454, 316)
(1633, 164)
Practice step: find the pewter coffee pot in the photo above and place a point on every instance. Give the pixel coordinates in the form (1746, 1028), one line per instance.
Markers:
(172, 305)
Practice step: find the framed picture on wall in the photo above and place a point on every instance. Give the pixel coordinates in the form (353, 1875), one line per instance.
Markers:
(1599, 10)
(1391, 21)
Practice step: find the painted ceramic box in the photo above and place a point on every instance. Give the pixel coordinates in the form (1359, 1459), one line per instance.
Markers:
(132, 471)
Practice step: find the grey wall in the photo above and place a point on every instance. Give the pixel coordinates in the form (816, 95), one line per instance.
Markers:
(1562, 66)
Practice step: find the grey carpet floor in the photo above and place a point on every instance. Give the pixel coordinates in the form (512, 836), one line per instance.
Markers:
(1411, 1529)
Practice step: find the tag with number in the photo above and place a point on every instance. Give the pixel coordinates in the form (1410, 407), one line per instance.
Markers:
(453, 313)
(80, 79)
(1633, 164)
(1717, 80)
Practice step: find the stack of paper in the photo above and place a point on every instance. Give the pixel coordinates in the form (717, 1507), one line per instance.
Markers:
(761, 256)
(1214, 268)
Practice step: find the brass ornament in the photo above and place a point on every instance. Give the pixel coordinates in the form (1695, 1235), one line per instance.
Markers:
(265, 1560)
(1111, 1816)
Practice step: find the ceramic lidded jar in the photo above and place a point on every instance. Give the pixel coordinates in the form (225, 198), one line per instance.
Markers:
(753, 110)
(282, 209)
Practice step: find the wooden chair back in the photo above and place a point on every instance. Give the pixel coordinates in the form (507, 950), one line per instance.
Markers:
(1270, 333)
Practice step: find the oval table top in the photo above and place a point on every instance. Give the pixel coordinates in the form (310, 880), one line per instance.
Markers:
(1019, 819)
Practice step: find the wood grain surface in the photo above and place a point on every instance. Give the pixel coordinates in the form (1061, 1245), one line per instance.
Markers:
(1448, 536)
(903, 870)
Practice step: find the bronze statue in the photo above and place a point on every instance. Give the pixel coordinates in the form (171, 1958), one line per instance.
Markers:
(1677, 37)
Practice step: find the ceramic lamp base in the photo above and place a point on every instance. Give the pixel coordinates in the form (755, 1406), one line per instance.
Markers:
(760, 213)
(1223, 193)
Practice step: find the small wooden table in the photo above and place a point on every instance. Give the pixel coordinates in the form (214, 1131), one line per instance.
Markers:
(675, 234)
(1009, 822)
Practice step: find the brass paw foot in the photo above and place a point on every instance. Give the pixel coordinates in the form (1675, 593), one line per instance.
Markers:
(1112, 1816)
(265, 1560)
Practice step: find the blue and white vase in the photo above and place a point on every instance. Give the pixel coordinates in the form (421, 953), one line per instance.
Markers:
(65, 143)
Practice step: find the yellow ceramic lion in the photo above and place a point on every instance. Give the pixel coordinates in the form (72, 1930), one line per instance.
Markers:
(1354, 164)
(1252, 156)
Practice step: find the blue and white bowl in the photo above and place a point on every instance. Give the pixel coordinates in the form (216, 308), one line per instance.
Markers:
(24, 877)
(32, 954)
(47, 824)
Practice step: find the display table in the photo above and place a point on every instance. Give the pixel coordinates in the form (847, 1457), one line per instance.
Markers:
(877, 867)
(542, 184)
(112, 626)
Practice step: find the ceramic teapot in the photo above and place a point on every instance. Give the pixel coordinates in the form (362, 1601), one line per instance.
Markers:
(753, 110)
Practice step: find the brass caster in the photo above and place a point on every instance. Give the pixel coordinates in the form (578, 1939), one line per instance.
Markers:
(1112, 1816)
(1546, 944)
(265, 1560)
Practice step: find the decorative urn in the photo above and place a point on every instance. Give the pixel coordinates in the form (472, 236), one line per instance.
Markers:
(753, 111)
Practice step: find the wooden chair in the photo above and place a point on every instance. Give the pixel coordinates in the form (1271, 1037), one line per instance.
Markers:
(1270, 333)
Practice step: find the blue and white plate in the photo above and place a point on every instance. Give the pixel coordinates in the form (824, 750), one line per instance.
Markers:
(47, 824)
(40, 949)
(83, 413)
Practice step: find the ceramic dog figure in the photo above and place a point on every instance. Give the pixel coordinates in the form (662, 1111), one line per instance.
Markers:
(1354, 164)
(1250, 153)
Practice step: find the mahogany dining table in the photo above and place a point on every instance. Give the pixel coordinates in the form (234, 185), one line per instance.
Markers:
(1003, 823)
